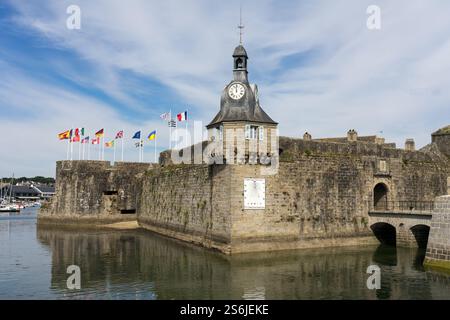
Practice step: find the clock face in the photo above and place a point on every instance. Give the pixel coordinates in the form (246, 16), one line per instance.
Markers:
(236, 91)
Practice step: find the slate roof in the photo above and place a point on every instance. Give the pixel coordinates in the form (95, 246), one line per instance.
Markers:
(245, 109)
(240, 51)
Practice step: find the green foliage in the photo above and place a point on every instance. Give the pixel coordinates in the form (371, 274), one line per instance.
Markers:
(37, 179)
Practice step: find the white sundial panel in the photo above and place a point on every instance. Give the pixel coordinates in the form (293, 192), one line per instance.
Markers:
(254, 193)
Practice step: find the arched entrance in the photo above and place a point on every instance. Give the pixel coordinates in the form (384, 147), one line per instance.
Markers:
(421, 233)
(380, 197)
(385, 233)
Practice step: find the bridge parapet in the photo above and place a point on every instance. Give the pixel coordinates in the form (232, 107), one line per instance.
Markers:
(402, 206)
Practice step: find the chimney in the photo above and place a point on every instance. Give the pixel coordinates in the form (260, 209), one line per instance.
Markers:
(380, 140)
(352, 135)
(410, 145)
(307, 137)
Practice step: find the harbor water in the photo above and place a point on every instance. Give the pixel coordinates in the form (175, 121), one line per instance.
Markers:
(142, 265)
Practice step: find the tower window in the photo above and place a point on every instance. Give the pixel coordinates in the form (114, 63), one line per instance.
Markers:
(251, 132)
(239, 63)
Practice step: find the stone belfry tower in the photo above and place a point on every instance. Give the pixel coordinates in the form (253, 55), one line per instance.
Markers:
(241, 117)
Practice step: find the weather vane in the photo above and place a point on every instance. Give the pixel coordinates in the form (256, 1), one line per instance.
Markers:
(240, 26)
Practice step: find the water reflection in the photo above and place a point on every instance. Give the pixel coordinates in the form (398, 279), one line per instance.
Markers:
(141, 265)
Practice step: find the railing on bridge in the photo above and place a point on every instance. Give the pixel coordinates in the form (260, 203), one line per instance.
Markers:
(403, 206)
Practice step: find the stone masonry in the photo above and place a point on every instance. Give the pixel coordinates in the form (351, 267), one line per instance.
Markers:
(438, 249)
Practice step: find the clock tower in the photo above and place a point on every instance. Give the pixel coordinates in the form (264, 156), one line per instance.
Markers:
(241, 124)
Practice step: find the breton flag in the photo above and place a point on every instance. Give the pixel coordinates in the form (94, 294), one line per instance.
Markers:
(182, 116)
(139, 144)
(172, 124)
(137, 135)
(66, 135)
(119, 135)
(165, 116)
(100, 133)
(152, 135)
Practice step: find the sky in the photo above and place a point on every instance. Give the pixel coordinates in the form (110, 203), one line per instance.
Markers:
(317, 66)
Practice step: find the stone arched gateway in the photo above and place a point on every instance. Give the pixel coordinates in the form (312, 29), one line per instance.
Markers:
(380, 196)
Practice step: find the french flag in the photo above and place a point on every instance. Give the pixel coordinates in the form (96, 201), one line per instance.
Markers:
(182, 116)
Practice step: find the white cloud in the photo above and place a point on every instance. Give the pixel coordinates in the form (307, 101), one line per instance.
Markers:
(394, 80)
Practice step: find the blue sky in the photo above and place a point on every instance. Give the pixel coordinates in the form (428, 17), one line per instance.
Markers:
(317, 66)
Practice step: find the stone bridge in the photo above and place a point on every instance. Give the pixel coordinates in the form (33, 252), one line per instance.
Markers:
(401, 226)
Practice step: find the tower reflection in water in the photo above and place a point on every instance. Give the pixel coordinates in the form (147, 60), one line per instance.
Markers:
(142, 265)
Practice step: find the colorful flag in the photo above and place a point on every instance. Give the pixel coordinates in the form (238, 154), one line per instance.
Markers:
(65, 135)
(152, 135)
(182, 116)
(109, 144)
(119, 135)
(76, 138)
(100, 133)
(137, 135)
(139, 144)
(165, 116)
(172, 124)
(96, 141)
(79, 132)
(85, 140)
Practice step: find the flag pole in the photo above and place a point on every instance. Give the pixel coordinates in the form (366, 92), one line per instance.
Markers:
(155, 149)
(84, 148)
(170, 129)
(123, 135)
(103, 146)
(114, 161)
(89, 148)
(71, 147)
(187, 142)
(99, 148)
(79, 149)
(68, 148)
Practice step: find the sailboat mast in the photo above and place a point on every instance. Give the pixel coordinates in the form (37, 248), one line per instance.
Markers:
(11, 187)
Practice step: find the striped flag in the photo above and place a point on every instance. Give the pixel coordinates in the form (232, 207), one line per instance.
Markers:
(182, 116)
(172, 124)
(152, 135)
(100, 133)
